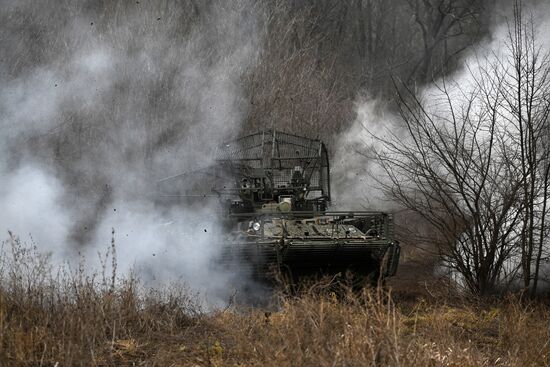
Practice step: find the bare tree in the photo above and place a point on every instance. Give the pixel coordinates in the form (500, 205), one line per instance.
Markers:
(448, 170)
(475, 163)
(441, 23)
(527, 103)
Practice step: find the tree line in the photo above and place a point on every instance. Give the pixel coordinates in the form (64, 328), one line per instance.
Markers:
(477, 172)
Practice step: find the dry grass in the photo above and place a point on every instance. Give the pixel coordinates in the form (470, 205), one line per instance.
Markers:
(73, 319)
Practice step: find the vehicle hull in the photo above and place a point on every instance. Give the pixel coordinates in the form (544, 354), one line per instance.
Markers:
(299, 258)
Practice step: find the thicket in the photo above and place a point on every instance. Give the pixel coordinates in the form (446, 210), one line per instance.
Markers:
(475, 161)
(315, 57)
(71, 318)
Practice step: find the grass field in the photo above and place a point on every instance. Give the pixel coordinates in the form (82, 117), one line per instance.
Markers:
(72, 319)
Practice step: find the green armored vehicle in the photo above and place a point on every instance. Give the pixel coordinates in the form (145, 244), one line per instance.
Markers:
(276, 188)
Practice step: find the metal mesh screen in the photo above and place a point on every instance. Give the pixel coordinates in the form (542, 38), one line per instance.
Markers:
(279, 155)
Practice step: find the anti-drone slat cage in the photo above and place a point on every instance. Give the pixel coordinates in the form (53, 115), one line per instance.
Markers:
(276, 156)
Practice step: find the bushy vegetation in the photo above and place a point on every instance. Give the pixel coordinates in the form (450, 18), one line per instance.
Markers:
(71, 318)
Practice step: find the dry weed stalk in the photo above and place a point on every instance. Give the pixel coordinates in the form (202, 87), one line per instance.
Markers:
(76, 318)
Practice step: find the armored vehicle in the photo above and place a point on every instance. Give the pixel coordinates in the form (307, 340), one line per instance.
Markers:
(276, 192)
(278, 217)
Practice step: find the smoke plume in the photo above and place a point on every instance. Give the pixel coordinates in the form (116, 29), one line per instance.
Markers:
(355, 175)
(99, 100)
(456, 95)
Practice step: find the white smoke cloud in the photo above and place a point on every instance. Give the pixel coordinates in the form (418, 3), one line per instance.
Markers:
(355, 174)
(148, 75)
(30, 202)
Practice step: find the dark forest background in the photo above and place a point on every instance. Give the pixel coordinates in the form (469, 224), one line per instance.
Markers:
(316, 57)
(304, 66)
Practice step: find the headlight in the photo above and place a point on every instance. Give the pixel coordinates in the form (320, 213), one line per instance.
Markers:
(256, 226)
